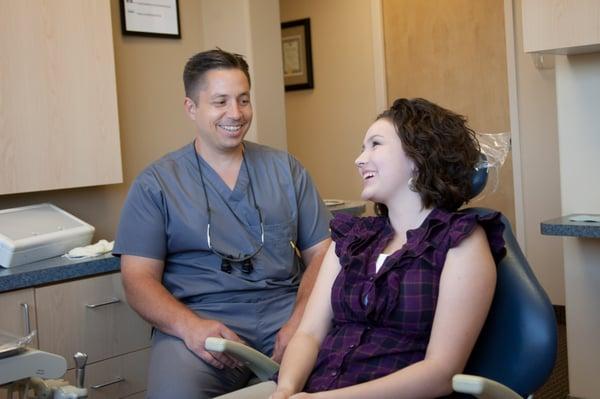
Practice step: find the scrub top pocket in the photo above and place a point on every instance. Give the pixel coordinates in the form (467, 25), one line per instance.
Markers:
(278, 254)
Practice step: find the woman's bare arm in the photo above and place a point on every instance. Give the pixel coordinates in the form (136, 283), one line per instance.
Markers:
(301, 353)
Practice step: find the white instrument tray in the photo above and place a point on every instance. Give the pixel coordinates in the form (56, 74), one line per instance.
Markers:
(37, 232)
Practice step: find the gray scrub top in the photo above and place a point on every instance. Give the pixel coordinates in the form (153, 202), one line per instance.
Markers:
(164, 217)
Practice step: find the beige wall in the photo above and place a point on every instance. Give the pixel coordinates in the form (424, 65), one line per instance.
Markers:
(267, 66)
(540, 171)
(251, 28)
(326, 125)
(151, 118)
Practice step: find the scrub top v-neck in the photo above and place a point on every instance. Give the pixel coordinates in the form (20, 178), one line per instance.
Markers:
(228, 206)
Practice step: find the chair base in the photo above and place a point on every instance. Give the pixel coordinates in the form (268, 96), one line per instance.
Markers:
(483, 388)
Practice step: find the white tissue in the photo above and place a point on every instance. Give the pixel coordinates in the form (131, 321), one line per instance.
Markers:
(89, 251)
(585, 218)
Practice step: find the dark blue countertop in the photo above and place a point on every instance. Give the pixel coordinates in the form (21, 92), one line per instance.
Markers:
(59, 269)
(55, 270)
(564, 227)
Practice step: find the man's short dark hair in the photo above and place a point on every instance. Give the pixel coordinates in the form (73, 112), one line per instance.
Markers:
(197, 67)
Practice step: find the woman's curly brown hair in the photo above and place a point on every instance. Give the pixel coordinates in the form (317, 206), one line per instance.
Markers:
(443, 148)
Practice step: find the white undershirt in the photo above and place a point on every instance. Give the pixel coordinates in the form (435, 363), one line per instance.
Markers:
(380, 259)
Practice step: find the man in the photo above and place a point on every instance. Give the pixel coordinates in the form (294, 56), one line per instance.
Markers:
(209, 238)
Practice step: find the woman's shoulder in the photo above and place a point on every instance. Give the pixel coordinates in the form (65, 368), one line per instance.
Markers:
(458, 225)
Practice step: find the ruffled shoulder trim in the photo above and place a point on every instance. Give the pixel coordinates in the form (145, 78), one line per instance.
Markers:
(463, 223)
(346, 229)
(443, 230)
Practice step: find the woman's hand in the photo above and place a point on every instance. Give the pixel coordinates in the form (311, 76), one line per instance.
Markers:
(303, 395)
(285, 394)
(280, 393)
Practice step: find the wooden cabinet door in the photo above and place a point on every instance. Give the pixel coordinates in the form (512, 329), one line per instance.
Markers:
(17, 313)
(59, 123)
(561, 26)
(91, 316)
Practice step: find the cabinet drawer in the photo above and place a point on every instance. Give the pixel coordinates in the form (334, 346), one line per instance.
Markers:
(114, 378)
(17, 315)
(139, 395)
(91, 316)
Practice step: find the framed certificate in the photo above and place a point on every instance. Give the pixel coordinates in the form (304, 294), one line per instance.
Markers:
(150, 18)
(297, 55)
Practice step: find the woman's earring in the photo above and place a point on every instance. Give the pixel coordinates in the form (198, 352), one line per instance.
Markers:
(411, 184)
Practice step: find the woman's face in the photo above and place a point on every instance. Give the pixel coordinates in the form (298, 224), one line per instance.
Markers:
(383, 165)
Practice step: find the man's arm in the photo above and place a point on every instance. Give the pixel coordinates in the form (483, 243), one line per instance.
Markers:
(147, 296)
(312, 257)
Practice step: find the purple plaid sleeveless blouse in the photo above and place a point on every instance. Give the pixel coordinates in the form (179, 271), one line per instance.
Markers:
(382, 321)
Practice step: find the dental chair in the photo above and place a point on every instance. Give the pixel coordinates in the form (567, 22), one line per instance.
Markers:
(34, 374)
(516, 349)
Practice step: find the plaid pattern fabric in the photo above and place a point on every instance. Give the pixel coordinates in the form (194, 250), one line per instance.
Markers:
(382, 321)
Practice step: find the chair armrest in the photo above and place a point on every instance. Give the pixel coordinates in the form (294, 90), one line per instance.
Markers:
(263, 366)
(482, 388)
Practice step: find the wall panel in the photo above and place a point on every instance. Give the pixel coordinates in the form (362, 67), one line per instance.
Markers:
(453, 53)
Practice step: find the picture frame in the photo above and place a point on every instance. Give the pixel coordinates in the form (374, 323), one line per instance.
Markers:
(297, 55)
(158, 18)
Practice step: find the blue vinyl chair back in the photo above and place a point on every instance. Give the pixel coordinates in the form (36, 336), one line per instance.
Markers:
(517, 345)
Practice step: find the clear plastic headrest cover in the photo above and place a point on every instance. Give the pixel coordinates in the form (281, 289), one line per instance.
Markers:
(495, 148)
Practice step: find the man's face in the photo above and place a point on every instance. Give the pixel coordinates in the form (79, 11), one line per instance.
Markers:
(222, 111)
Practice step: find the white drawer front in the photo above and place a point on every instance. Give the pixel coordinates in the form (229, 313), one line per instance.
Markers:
(91, 316)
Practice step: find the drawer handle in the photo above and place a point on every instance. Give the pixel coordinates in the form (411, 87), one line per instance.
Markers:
(26, 318)
(109, 301)
(105, 384)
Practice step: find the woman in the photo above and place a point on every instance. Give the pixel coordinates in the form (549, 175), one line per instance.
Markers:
(401, 297)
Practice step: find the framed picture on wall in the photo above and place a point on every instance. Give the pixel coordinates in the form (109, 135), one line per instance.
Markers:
(297, 55)
(150, 18)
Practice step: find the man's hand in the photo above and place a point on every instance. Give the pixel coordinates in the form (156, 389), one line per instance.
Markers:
(283, 338)
(195, 336)
(142, 280)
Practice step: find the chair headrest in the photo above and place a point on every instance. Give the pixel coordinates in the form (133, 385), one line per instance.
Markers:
(479, 177)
